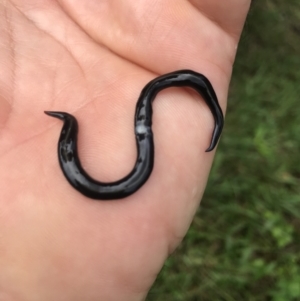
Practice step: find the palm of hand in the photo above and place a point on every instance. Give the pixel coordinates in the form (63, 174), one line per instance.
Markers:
(92, 58)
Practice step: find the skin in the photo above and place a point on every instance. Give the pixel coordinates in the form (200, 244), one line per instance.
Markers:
(92, 58)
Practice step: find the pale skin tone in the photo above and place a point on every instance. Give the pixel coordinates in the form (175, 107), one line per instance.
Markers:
(92, 58)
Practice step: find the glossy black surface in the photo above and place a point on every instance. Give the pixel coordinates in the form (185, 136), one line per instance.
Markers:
(67, 145)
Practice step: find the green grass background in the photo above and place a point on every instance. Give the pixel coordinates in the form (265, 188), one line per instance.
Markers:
(244, 243)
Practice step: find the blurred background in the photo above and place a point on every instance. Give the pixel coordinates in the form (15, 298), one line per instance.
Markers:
(244, 243)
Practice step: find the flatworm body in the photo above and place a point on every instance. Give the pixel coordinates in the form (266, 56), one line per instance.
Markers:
(67, 145)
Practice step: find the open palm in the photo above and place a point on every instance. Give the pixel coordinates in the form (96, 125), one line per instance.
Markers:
(92, 58)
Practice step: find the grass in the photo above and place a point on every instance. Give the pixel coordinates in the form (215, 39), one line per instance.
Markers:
(244, 243)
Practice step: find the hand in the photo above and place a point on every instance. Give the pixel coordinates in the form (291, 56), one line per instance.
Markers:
(92, 58)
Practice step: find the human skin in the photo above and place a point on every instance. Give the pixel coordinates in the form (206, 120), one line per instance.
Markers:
(92, 58)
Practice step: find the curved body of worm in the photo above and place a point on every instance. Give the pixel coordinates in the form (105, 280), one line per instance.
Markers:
(67, 146)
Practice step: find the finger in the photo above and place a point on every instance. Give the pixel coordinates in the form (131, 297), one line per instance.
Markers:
(7, 65)
(159, 35)
(229, 15)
